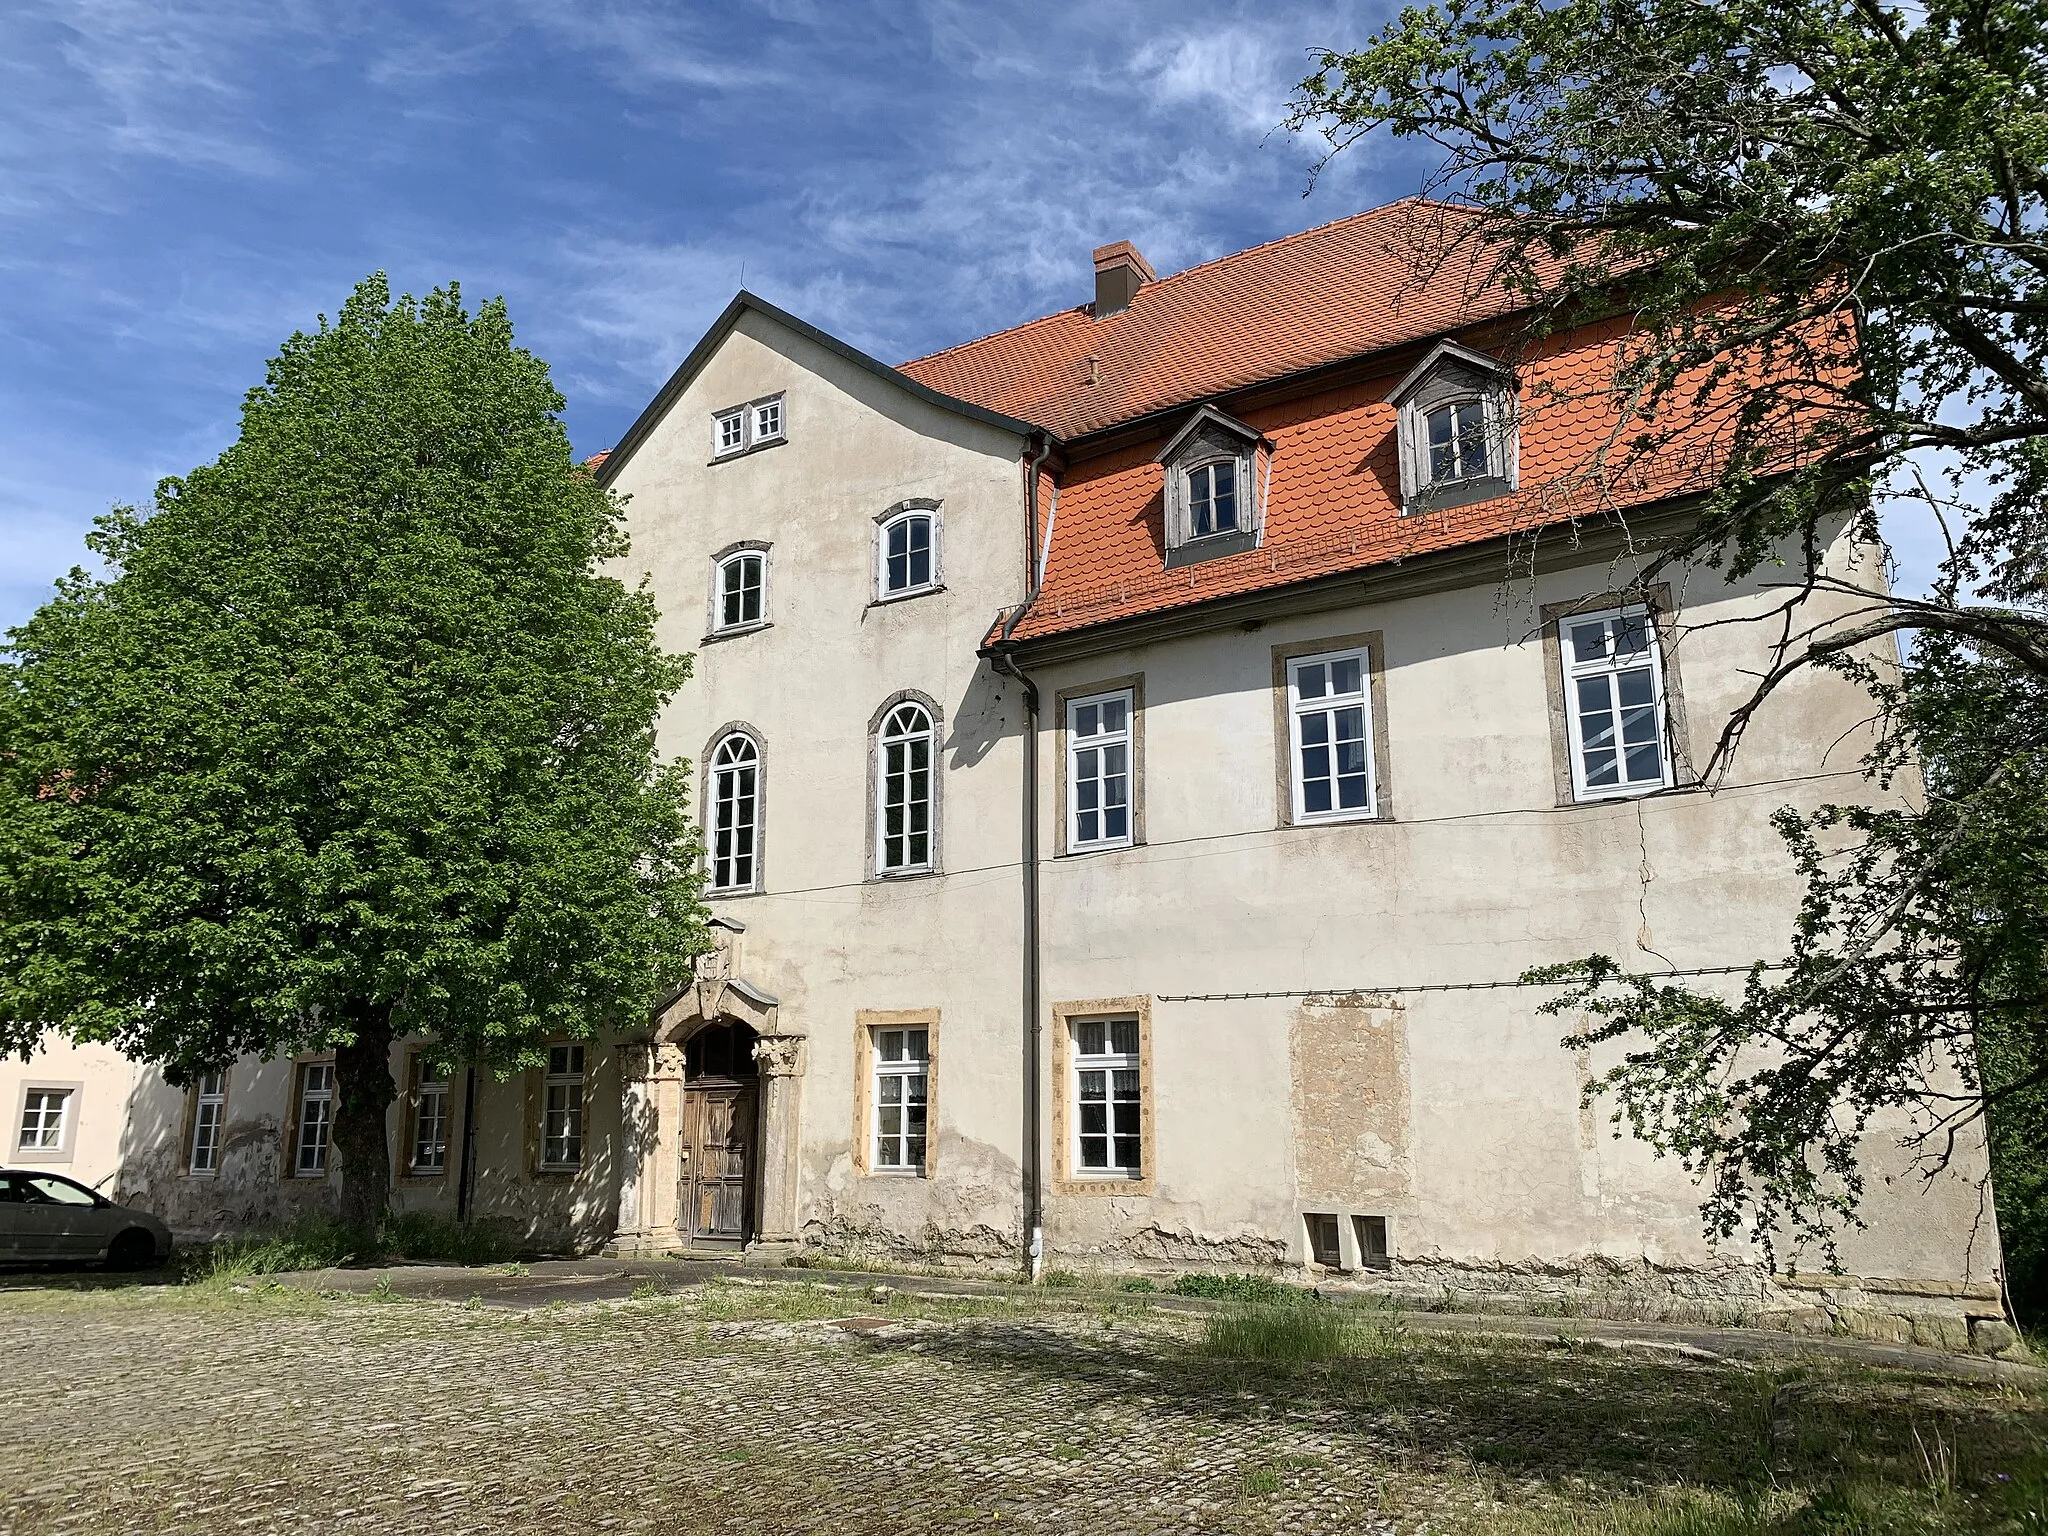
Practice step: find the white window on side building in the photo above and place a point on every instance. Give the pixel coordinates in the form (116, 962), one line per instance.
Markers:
(739, 591)
(1614, 703)
(1329, 708)
(907, 554)
(903, 791)
(209, 1112)
(44, 1113)
(1107, 1099)
(901, 1080)
(735, 813)
(315, 1119)
(729, 430)
(767, 422)
(1099, 772)
(562, 1110)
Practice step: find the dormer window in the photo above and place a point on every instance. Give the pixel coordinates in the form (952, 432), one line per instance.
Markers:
(907, 550)
(1457, 430)
(1211, 502)
(743, 428)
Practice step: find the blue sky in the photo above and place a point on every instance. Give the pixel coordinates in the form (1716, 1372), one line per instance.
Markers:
(184, 184)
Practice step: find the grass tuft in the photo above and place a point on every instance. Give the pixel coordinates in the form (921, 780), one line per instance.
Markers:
(1287, 1335)
(317, 1242)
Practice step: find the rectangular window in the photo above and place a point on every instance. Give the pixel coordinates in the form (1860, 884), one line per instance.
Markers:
(1322, 1240)
(730, 428)
(1614, 703)
(562, 1109)
(1099, 772)
(315, 1119)
(1107, 1136)
(43, 1112)
(1372, 1241)
(768, 419)
(209, 1112)
(1457, 442)
(901, 1056)
(1329, 710)
(429, 1117)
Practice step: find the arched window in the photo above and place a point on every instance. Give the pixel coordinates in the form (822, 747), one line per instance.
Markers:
(735, 813)
(738, 594)
(903, 791)
(908, 553)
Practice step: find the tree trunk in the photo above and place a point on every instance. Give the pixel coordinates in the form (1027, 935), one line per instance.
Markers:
(365, 1090)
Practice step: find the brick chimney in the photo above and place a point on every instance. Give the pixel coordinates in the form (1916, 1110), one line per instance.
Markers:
(1119, 273)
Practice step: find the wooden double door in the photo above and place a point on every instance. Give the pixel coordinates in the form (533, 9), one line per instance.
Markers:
(715, 1200)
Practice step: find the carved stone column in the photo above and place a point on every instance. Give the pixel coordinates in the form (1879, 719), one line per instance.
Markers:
(781, 1060)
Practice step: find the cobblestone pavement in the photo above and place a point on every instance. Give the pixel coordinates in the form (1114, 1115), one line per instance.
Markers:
(158, 1410)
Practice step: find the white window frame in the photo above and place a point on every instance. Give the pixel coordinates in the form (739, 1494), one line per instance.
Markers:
(1109, 1061)
(759, 423)
(1299, 709)
(725, 770)
(1492, 442)
(312, 1099)
(429, 1083)
(562, 1087)
(209, 1124)
(908, 1073)
(886, 737)
(1612, 668)
(1077, 745)
(53, 1136)
(884, 593)
(1239, 475)
(736, 559)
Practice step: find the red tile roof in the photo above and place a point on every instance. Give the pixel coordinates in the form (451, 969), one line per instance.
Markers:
(1330, 293)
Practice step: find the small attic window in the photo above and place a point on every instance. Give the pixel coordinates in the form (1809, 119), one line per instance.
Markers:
(1458, 430)
(1211, 506)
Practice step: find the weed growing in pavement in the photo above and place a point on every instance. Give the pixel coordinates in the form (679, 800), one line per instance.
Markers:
(1245, 1288)
(648, 1290)
(317, 1242)
(1062, 1279)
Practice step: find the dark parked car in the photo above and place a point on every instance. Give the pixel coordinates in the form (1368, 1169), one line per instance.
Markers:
(46, 1218)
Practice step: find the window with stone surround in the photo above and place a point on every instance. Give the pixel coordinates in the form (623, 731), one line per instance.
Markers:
(209, 1118)
(901, 1099)
(561, 1148)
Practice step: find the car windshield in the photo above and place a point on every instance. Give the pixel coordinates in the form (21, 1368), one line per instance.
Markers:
(43, 1188)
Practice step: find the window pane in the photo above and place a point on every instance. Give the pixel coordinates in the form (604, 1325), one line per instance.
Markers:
(1309, 680)
(914, 1045)
(1200, 513)
(1088, 1040)
(1225, 496)
(1589, 641)
(1471, 440)
(1094, 1117)
(1124, 1038)
(1113, 715)
(1344, 674)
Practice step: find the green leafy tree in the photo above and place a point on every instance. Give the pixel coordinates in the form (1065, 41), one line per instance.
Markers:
(1829, 219)
(354, 739)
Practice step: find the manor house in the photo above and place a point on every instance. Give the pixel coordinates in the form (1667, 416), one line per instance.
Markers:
(1138, 753)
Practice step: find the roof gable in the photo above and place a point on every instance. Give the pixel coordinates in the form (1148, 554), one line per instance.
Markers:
(643, 426)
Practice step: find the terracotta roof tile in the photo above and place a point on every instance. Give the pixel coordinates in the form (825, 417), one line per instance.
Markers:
(1337, 291)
